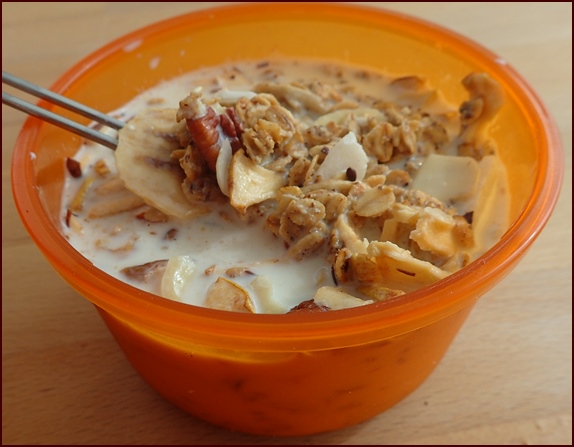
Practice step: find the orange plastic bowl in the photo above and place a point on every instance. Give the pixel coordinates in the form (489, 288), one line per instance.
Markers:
(290, 374)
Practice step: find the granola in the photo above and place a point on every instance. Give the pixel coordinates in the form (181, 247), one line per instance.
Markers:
(379, 189)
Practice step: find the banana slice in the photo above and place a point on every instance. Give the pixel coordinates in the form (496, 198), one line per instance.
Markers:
(144, 162)
(388, 264)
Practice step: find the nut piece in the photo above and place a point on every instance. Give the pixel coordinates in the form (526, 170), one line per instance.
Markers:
(74, 167)
(308, 306)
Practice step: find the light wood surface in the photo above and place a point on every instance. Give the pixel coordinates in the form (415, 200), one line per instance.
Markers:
(507, 379)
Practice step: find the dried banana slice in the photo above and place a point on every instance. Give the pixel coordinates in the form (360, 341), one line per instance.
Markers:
(144, 162)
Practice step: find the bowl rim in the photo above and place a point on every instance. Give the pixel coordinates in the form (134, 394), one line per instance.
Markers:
(352, 325)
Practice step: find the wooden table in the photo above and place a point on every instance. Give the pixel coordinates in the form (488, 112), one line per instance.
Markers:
(507, 379)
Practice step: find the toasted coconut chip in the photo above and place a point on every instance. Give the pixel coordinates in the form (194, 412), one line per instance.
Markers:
(378, 292)
(447, 177)
(347, 153)
(336, 299)
(250, 183)
(228, 295)
(263, 287)
(386, 263)
(178, 272)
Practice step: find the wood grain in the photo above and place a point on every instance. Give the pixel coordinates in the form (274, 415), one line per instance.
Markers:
(507, 379)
